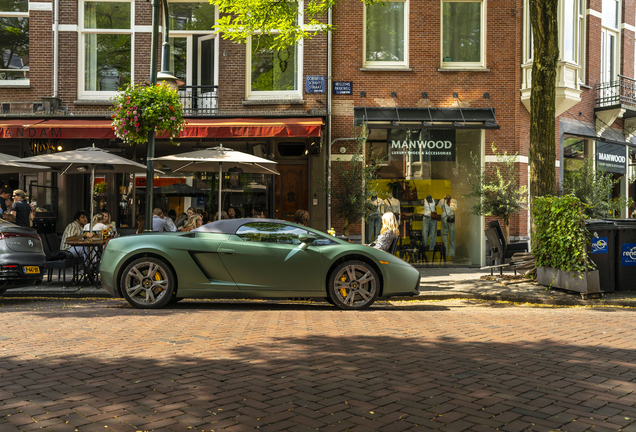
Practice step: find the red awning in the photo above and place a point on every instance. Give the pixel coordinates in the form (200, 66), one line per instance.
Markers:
(196, 128)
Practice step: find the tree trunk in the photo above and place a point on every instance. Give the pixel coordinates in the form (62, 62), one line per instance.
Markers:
(543, 14)
(506, 230)
(346, 228)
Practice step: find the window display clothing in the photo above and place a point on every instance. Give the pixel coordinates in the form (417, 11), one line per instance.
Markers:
(448, 228)
(384, 240)
(393, 205)
(429, 226)
(374, 219)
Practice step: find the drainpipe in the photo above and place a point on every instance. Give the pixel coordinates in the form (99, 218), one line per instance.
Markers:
(329, 85)
(56, 30)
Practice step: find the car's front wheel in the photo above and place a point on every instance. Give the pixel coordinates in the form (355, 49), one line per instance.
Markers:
(148, 283)
(354, 285)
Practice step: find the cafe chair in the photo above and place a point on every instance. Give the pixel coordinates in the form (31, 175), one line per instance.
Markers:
(53, 263)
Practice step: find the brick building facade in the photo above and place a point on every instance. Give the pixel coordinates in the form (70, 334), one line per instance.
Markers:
(456, 74)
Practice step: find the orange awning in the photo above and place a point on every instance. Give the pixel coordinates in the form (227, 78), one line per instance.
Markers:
(196, 128)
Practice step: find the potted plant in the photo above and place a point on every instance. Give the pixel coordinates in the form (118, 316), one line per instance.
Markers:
(559, 244)
(138, 109)
(496, 189)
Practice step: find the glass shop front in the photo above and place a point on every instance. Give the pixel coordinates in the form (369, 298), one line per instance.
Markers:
(421, 177)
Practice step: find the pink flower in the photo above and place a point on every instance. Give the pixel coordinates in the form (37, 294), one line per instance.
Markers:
(135, 112)
(136, 118)
(171, 118)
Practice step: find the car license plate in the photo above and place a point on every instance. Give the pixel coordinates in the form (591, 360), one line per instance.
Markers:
(31, 270)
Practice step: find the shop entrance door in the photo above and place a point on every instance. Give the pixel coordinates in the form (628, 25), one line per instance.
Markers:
(291, 191)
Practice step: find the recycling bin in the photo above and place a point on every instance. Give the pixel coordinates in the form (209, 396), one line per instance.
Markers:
(603, 250)
(626, 259)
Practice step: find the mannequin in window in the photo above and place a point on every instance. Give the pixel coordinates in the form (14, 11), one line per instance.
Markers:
(392, 205)
(429, 226)
(449, 207)
(374, 218)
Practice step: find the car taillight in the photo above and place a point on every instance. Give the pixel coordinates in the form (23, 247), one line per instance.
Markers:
(6, 235)
(9, 267)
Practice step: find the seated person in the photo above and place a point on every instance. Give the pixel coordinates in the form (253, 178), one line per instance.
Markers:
(8, 217)
(194, 221)
(98, 224)
(301, 217)
(74, 229)
(389, 231)
(108, 222)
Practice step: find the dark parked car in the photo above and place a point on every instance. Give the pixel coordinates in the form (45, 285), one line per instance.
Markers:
(21, 256)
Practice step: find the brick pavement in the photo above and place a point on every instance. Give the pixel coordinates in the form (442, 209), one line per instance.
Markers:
(452, 366)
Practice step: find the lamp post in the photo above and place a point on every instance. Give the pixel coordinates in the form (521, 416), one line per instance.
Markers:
(164, 75)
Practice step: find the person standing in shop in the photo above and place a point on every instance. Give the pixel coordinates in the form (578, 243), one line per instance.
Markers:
(429, 223)
(449, 207)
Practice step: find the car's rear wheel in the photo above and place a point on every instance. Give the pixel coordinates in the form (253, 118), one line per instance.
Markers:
(148, 283)
(354, 285)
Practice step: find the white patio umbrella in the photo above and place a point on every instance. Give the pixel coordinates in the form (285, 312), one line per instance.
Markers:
(86, 159)
(212, 160)
(7, 167)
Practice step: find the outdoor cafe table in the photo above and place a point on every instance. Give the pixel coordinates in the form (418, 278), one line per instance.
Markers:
(92, 257)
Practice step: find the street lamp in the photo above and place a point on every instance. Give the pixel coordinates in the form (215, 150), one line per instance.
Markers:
(171, 80)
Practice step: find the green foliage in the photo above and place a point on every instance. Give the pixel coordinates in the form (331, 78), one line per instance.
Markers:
(352, 184)
(560, 238)
(139, 109)
(496, 191)
(594, 189)
(242, 19)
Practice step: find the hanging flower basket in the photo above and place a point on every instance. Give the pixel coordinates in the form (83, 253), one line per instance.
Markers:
(139, 109)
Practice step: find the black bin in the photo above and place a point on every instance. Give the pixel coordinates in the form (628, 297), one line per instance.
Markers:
(603, 251)
(626, 259)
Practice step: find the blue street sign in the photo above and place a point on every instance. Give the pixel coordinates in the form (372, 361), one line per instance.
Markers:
(342, 87)
(314, 84)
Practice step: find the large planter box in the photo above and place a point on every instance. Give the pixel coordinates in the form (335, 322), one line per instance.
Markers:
(589, 283)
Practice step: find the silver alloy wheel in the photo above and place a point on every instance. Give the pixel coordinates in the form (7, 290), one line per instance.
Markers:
(355, 285)
(146, 283)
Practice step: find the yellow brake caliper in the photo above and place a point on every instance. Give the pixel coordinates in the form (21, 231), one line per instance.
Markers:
(158, 278)
(343, 291)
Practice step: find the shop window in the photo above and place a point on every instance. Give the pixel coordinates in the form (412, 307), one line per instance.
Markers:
(463, 29)
(105, 47)
(386, 34)
(573, 154)
(419, 163)
(14, 42)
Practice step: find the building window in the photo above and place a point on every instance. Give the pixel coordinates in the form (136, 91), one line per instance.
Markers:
(463, 31)
(193, 43)
(609, 40)
(386, 34)
(105, 48)
(14, 42)
(273, 74)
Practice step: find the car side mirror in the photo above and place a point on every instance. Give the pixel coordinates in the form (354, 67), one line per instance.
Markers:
(305, 241)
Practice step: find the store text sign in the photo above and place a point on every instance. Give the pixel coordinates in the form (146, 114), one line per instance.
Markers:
(611, 158)
(439, 146)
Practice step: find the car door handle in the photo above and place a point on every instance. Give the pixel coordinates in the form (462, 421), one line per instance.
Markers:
(227, 251)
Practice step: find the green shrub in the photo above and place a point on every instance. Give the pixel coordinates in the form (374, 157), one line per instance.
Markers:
(560, 239)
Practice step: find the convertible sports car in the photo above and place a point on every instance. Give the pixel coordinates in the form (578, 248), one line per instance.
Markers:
(251, 258)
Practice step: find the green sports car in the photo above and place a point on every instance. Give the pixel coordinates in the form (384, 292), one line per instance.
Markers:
(251, 258)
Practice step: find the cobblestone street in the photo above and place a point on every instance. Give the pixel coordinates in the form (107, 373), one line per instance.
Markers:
(88, 365)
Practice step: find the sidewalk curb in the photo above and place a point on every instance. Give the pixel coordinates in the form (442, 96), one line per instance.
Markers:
(423, 296)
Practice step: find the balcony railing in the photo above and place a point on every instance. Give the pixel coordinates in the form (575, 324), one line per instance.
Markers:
(199, 100)
(619, 92)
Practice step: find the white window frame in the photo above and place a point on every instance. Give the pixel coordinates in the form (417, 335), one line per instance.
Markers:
(190, 43)
(464, 65)
(276, 94)
(387, 64)
(581, 33)
(82, 32)
(606, 32)
(24, 82)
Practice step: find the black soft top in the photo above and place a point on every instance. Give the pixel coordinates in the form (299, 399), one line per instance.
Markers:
(230, 226)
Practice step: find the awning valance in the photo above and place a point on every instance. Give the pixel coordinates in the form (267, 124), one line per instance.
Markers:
(196, 128)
